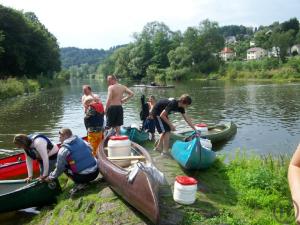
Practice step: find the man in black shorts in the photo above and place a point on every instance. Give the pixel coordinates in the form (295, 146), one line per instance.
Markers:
(115, 99)
(161, 110)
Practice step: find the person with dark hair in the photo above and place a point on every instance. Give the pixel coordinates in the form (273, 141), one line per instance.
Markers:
(115, 99)
(160, 112)
(76, 160)
(37, 147)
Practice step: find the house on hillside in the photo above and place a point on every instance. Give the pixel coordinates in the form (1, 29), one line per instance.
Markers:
(295, 49)
(252, 43)
(274, 52)
(227, 54)
(230, 40)
(256, 53)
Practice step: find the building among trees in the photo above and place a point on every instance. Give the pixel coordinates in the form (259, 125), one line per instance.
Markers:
(227, 54)
(256, 53)
(295, 50)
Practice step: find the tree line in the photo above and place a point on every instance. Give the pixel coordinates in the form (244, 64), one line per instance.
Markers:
(158, 52)
(27, 48)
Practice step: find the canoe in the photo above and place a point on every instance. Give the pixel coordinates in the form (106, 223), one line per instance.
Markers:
(135, 134)
(191, 155)
(153, 86)
(216, 133)
(142, 192)
(17, 194)
(12, 167)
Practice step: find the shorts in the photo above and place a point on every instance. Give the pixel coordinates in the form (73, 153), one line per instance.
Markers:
(114, 116)
(161, 126)
(149, 125)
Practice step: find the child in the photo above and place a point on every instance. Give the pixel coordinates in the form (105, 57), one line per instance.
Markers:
(160, 112)
(93, 121)
(148, 123)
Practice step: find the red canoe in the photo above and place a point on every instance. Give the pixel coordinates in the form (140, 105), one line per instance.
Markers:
(14, 166)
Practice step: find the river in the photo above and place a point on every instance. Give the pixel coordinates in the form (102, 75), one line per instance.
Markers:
(266, 113)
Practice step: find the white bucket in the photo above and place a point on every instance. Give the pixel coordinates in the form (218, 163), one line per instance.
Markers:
(206, 143)
(185, 193)
(202, 127)
(119, 146)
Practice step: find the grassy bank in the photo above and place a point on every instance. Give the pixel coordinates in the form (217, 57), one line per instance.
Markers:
(12, 87)
(243, 191)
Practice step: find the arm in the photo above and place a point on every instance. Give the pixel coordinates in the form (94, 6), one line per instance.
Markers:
(29, 166)
(41, 147)
(129, 93)
(188, 120)
(109, 97)
(61, 163)
(294, 180)
(164, 116)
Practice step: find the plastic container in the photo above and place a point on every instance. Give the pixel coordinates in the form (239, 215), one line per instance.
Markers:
(206, 143)
(119, 146)
(202, 127)
(185, 189)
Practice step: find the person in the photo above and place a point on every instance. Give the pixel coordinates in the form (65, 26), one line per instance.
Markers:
(160, 112)
(87, 91)
(115, 99)
(93, 121)
(37, 147)
(76, 160)
(294, 182)
(149, 123)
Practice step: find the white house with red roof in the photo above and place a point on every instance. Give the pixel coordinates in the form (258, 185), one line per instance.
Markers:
(227, 54)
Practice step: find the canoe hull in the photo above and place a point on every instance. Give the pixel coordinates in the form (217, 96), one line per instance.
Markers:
(135, 135)
(14, 166)
(20, 195)
(142, 193)
(217, 133)
(191, 155)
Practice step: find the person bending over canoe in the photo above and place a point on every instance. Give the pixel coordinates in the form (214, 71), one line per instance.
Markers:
(76, 160)
(93, 121)
(149, 123)
(294, 182)
(115, 99)
(161, 110)
(37, 147)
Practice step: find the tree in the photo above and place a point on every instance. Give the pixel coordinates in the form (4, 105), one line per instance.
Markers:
(282, 40)
(1, 40)
(180, 57)
(292, 24)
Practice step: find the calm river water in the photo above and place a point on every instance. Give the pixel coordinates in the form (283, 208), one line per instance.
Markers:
(266, 113)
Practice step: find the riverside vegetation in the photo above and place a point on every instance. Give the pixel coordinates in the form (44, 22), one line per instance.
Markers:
(243, 191)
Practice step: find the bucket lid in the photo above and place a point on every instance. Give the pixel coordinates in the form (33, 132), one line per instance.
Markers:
(201, 125)
(185, 180)
(118, 138)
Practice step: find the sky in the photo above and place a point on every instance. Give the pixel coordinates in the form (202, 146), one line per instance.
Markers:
(106, 23)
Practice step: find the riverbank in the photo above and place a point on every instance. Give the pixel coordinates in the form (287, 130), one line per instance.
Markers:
(12, 87)
(244, 191)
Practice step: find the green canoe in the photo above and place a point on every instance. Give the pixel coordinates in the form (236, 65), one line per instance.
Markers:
(216, 133)
(17, 194)
(135, 135)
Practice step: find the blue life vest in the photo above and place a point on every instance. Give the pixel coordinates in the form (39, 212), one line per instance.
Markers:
(32, 152)
(80, 157)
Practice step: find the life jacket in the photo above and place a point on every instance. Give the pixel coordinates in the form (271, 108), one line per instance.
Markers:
(94, 119)
(80, 157)
(33, 153)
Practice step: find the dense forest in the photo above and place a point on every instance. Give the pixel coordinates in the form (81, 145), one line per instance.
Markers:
(160, 53)
(84, 62)
(27, 48)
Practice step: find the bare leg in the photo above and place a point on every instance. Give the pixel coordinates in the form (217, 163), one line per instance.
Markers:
(117, 131)
(159, 144)
(166, 142)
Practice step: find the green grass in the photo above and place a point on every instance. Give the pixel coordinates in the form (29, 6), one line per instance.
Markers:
(243, 191)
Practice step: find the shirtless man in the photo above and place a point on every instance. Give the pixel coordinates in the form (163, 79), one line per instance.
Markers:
(115, 99)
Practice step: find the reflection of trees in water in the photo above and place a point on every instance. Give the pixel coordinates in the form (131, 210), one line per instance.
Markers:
(34, 113)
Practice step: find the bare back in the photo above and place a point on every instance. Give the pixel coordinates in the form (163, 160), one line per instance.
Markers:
(116, 94)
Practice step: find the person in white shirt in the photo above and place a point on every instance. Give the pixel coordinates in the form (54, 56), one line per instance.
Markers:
(37, 147)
